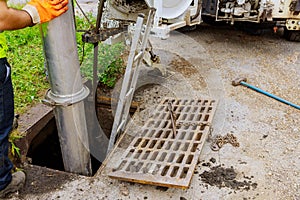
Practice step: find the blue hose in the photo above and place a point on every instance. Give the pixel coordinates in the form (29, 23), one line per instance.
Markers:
(269, 94)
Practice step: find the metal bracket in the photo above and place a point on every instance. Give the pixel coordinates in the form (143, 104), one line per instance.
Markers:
(91, 36)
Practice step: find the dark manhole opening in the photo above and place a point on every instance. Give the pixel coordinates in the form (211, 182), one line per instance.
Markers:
(45, 148)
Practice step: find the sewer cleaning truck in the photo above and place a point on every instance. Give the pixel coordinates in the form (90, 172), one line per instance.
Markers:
(174, 14)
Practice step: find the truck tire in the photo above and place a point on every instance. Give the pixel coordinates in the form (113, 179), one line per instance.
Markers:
(292, 35)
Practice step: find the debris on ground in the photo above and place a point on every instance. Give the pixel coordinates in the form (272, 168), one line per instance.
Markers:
(219, 141)
(124, 190)
(226, 177)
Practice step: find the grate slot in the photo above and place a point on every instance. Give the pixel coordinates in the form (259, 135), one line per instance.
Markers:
(176, 146)
(130, 166)
(185, 147)
(171, 157)
(189, 159)
(137, 142)
(152, 144)
(169, 145)
(160, 144)
(165, 170)
(198, 136)
(190, 136)
(174, 171)
(154, 155)
(180, 158)
(130, 153)
(138, 154)
(149, 133)
(194, 147)
(182, 135)
(156, 169)
(146, 155)
(184, 172)
(159, 133)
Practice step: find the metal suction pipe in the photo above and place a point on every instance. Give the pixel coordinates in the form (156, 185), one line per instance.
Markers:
(67, 91)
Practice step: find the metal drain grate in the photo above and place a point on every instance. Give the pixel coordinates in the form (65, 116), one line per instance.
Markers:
(160, 157)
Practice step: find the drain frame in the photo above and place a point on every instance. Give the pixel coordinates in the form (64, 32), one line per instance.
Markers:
(155, 156)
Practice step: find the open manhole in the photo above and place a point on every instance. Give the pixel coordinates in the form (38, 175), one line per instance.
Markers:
(41, 146)
(45, 151)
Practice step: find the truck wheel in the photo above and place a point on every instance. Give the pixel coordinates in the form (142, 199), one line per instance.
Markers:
(292, 35)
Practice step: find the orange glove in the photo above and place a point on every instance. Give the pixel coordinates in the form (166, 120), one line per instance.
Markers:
(45, 10)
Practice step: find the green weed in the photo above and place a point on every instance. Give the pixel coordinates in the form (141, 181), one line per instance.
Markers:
(14, 135)
(110, 64)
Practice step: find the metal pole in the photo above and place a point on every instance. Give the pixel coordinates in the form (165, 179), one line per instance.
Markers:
(67, 92)
(96, 47)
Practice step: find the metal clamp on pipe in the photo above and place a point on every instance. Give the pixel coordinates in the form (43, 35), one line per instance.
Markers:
(52, 99)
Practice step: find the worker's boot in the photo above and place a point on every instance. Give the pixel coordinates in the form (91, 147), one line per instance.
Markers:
(17, 182)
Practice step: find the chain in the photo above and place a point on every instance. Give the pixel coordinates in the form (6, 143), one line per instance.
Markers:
(219, 141)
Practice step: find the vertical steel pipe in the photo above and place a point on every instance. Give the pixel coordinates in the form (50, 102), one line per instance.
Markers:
(67, 91)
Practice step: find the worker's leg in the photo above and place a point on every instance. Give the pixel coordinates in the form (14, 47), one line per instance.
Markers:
(6, 120)
(8, 182)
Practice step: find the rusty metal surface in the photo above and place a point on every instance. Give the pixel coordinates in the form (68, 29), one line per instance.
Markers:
(159, 157)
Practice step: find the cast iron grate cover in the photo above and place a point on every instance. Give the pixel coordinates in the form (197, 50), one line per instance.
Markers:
(155, 156)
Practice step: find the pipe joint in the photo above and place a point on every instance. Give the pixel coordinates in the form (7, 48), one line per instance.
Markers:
(52, 99)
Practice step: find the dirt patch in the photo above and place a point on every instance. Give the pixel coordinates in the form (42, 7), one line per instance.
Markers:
(151, 94)
(185, 68)
(225, 177)
(41, 180)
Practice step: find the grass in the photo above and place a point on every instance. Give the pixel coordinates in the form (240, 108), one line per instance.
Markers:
(25, 55)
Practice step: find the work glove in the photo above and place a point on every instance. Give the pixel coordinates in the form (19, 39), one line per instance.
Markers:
(45, 10)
